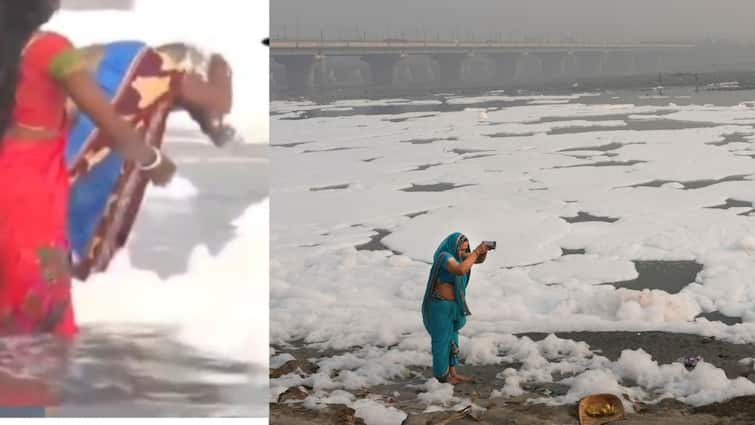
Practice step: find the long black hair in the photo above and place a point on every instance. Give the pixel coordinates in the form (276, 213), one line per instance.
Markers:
(19, 20)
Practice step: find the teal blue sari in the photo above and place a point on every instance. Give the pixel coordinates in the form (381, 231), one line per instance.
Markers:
(443, 319)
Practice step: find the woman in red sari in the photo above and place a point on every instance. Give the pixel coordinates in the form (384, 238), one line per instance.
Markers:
(40, 70)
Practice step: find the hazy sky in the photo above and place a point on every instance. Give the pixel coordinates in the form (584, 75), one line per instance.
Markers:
(593, 19)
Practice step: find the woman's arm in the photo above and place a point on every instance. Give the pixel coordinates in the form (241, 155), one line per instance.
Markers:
(473, 258)
(88, 97)
(454, 267)
(54, 55)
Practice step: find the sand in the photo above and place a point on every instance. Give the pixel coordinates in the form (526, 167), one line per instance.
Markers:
(664, 347)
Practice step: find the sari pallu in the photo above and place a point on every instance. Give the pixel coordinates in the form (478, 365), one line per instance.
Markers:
(107, 191)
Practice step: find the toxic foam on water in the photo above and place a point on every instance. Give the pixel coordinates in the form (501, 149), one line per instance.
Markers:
(220, 305)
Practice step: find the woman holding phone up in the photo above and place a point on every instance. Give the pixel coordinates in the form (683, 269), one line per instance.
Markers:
(444, 306)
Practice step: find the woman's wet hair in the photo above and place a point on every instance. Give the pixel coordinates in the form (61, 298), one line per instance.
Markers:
(19, 20)
(188, 57)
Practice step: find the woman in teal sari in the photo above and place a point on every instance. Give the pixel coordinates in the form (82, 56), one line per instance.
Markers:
(444, 306)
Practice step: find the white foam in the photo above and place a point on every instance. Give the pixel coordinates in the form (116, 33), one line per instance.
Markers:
(584, 269)
(280, 359)
(653, 382)
(353, 103)
(375, 413)
(179, 189)
(549, 101)
(437, 393)
(495, 97)
(215, 306)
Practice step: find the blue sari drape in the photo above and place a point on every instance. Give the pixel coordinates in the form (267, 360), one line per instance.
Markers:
(106, 190)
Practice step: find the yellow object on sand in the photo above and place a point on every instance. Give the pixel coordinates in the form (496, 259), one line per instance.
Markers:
(599, 409)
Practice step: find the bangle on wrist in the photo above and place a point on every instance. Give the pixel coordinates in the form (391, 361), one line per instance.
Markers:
(156, 163)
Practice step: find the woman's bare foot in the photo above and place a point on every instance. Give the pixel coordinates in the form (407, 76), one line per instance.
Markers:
(460, 378)
(452, 380)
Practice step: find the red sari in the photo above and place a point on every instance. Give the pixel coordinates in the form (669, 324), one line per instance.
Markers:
(35, 292)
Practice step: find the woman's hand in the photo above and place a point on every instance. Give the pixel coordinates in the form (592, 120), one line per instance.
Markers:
(124, 139)
(481, 249)
(163, 173)
(482, 253)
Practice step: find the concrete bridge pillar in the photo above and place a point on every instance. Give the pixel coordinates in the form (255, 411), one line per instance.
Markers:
(675, 61)
(360, 75)
(425, 69)
(475, 69)
(412, 69)
(619, 63)
(300, 71)
(590, 64)
(274, 83)
(663, 62)
(321, 75)
(505, 66)
(339, 73)
(382, 68)
(449, 66)
(277, 75)
(552, 64)
(570, 64)
(649, 63)
(687, 61)
(406, 73)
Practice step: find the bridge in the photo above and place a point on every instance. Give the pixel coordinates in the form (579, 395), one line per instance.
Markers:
(302, 58)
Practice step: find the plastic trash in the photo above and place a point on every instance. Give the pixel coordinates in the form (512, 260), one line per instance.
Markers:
(691, 362)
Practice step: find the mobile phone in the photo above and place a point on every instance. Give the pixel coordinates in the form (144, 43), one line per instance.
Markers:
(489, 244)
